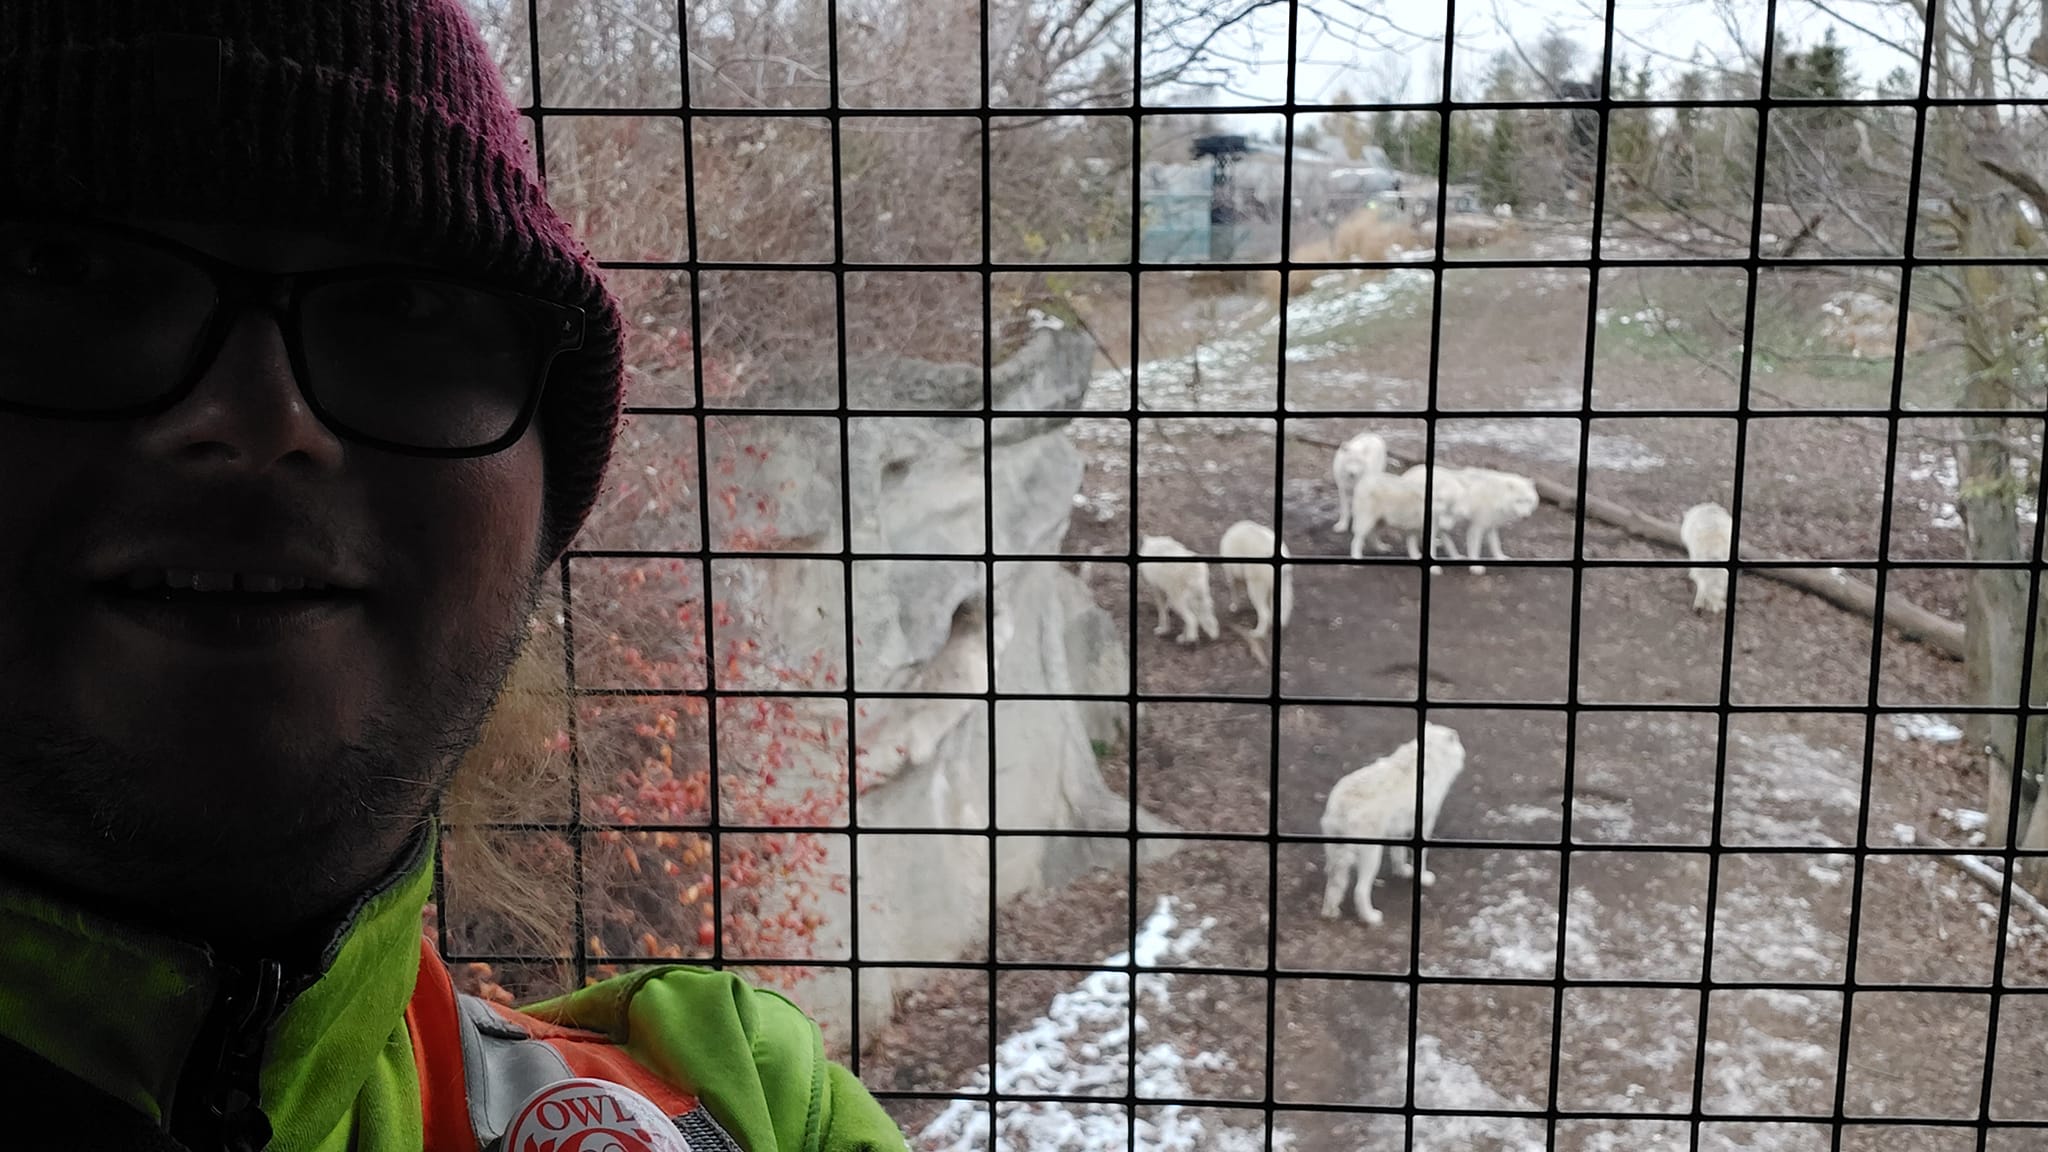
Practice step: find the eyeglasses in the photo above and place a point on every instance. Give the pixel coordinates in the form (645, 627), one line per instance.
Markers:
(104, 322)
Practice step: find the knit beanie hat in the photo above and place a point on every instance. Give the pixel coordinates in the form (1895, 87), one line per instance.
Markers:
(381, 121)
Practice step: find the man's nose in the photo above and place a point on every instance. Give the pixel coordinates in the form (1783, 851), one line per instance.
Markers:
(248, 412)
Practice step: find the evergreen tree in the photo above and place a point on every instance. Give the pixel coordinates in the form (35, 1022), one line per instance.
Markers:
(1469, 140)
(1811, 153)
(1556, 58)
(1383, 131)
(1631, 139)
(1416, 143)
(1819, 73)
(1500, 173)
(1682, 184)
(1500, 164)
(1347, 133)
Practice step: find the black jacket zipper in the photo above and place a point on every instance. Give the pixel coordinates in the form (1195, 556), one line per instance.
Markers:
(219, 1100)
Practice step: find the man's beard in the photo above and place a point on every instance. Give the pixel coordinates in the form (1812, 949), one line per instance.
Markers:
(210, 865)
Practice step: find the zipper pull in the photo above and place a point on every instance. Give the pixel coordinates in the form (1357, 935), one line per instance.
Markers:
(235, 1102)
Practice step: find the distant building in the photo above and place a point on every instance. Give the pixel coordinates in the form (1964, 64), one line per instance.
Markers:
(1415, 197)
(1183, 208)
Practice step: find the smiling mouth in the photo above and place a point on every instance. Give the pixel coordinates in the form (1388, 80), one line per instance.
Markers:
(223, 613)
(223, 588)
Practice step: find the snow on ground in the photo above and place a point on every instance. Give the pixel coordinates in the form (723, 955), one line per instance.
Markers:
(1784, 790)
(1942, 470)
(1767, 1052)
(1082, 1047)
(1316, 323)
(1596, 819)
(1968, 821)
(1920, 726)
(1777, 917)
(1236, 368)
(1555, 440)
(1520, 814)
(1443, 1081)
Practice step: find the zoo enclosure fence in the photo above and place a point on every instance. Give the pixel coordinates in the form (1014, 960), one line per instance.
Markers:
(1595, 112)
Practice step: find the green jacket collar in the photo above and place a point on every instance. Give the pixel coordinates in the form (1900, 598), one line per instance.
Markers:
(122, 1008)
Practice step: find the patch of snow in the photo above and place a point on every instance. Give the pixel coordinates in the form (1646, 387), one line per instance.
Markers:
(1517, 936)
(1761, 1070)
(1920, 726)
(1234, 368)
(1631, 1053)
(1319, 314)
(1660, 941)
(1082, 1046)
(1771, 1137)
(1784, 790)
(1553, 440)
(1333, 383)
(1761, 932)
(1940, 468)
(1965, 819)
(1444, 1081)
(1520, 814)
(1102, 507)
(1566, 247)
(1904, 833)
(1629, 1136)
(1615, 819)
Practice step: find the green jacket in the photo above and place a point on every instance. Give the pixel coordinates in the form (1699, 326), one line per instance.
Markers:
(97, 1013)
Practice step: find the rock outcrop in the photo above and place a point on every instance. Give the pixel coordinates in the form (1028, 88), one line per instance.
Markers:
(921, 485)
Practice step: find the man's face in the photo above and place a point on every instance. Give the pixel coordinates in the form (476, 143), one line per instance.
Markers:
(151, 744)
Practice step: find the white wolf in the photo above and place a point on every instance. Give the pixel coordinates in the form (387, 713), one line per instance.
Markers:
(1396, 500)
(1484, 500)
(1178, 587)
(1379, 800)
(1251, 540)
(1705, 530)
(1363, 455)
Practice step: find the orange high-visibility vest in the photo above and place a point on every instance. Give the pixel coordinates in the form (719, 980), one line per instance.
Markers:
(478, 1062)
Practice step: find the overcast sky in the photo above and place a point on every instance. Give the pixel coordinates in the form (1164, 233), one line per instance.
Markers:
(1344, 49)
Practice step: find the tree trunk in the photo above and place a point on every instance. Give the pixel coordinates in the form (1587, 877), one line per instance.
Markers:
(2034, 838)
(1996, 607)
(1996, 621)
(2033, 824)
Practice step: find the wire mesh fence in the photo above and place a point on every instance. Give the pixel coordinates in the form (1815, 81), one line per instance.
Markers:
(849, 684)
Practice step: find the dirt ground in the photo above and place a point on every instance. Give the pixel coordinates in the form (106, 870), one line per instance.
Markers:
(1644, 891)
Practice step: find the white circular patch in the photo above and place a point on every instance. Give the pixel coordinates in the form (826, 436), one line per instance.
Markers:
(588, 1115)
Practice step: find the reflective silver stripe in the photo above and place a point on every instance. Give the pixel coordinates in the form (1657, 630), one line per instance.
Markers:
(503, 1067)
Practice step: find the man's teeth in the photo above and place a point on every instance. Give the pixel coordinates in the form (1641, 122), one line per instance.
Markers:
(215, 580)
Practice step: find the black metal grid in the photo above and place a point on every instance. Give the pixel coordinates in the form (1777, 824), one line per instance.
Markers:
(1725, 709)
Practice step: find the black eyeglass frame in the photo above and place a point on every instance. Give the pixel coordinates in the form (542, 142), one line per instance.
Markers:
(282, 294)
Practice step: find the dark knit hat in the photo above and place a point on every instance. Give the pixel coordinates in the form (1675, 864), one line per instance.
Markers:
(382, 121)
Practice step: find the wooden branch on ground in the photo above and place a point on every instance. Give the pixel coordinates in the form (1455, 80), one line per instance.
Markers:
(1937, 632)
(1912, 621)
(1993, 878)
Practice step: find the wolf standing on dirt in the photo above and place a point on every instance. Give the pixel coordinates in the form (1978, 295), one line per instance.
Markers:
(303, 390)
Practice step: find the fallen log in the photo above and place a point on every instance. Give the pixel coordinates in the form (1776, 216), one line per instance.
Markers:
(1991, 878)
(1937, 632)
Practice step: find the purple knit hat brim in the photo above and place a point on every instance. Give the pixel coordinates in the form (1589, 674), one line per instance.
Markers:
(382, 121)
